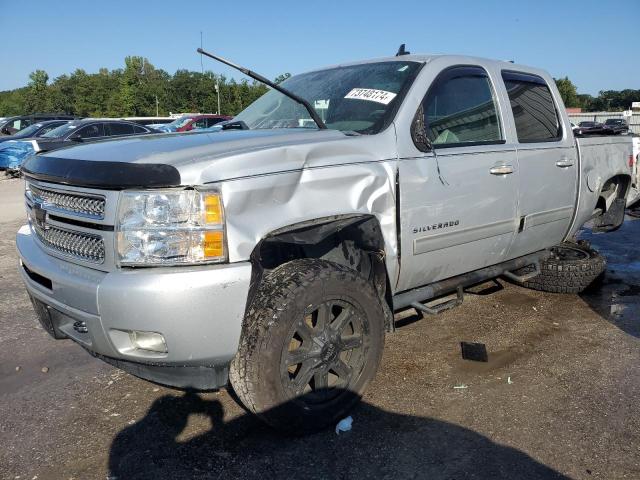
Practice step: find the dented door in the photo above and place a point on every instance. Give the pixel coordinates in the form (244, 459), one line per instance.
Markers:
(458, 197)
(457, 215)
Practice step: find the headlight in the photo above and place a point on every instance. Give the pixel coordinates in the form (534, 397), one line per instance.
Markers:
(170, 227)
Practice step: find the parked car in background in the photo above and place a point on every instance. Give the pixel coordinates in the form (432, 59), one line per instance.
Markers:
(73, 132)
(590, 128)
(12, 125)
(616, 126)
(187, 123)
(33, 131)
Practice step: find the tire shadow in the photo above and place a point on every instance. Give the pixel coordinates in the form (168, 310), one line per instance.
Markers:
(381, 445)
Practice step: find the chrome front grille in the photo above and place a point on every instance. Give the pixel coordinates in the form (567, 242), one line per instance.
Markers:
(81, 245)
(73, 223)
(75, 203)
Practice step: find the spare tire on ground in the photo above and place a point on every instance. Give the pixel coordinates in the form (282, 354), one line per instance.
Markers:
(570, 268)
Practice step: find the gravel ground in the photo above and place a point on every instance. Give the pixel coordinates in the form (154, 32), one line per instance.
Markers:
(557, 398)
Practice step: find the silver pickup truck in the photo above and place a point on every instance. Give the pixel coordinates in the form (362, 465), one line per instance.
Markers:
(272, 253)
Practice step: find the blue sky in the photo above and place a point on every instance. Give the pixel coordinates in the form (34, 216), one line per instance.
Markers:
(595, 43)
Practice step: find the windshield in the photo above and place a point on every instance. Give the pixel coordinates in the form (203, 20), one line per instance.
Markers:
(30, 130)
(359, 98)
(59, 131)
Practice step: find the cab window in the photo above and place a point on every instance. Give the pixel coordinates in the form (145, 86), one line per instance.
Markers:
(534, 111)
(460, 109)
(18, 124)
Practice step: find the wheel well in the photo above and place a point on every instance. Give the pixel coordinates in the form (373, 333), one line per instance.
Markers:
(611, 203)
(614, 188)
(354, 241)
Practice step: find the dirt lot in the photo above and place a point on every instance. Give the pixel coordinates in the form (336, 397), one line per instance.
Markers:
(558, 397)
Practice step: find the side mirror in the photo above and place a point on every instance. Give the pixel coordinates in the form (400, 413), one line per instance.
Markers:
(419, 132)
(75, 137)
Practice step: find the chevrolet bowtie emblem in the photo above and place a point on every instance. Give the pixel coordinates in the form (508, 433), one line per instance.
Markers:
(40, 216)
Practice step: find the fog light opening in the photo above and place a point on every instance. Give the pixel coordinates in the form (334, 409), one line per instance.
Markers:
(148, 341)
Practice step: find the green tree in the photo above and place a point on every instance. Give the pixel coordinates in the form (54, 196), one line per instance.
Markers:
(568, 92)
(36, 95)
(61, 94)
(585, 101)
(12, 102)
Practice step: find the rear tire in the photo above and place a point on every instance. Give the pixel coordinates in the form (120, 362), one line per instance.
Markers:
(571, 268)
(311, 342)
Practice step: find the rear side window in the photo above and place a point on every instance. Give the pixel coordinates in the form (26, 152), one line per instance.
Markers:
(113, 129)
(460, 108)
(534, 111)
(138, 129)
(92, 131)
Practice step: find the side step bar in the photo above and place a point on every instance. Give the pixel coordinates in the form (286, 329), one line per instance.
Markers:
(423, 294)
(442, 306)
(524, 278)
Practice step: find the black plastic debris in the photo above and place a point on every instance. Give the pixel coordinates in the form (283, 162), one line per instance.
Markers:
(474, 351)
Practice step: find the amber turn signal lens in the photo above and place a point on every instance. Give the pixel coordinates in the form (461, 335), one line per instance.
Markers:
(213, 244)
(212, 209)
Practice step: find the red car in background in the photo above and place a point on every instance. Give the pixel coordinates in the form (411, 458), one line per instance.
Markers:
(190, 122)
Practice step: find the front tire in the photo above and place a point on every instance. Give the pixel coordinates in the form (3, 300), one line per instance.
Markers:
(312, 341)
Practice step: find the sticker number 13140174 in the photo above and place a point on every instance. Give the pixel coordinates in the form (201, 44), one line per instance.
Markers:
(372, 95)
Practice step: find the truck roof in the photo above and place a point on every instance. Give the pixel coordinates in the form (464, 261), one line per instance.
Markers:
(428, 58)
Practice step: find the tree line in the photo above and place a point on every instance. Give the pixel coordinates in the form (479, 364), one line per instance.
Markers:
(139, 90)
(606, 101)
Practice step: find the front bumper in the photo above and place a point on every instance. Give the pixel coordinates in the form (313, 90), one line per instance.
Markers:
(198, 310)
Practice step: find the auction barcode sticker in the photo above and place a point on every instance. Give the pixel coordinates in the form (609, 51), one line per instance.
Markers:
(379, 96)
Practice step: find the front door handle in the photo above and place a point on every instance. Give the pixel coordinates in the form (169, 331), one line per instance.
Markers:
(501, 170)
(564, 163)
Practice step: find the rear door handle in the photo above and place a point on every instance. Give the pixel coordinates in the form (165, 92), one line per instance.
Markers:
(564, 163)
(501, 170)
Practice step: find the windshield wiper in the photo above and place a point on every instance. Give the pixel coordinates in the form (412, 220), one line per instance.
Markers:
(269, 83)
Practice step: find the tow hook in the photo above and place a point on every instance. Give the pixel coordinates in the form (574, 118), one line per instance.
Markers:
(80, 326)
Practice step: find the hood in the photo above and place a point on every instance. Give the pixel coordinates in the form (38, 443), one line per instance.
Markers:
(49, 140)
(199, 158)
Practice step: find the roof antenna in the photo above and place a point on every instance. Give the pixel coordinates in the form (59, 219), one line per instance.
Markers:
(402, 51)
